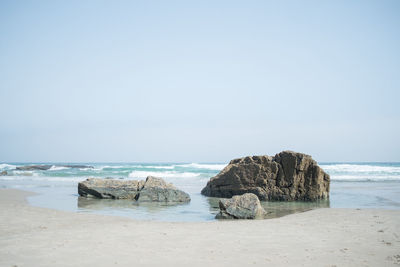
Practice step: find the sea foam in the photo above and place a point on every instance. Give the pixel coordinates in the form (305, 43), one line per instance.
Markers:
(360, 168)
(6, 166)
(162, 174)
(362, 172)
(216, 167)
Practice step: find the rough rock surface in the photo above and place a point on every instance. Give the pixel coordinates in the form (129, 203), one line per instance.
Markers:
(47, 167)
(153, 189)
(287, 176)
(3, 173)
(34, 167)
(246, 206)
(109, 188)
(156, 189)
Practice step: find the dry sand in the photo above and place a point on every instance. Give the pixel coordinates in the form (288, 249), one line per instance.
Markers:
(32, 236)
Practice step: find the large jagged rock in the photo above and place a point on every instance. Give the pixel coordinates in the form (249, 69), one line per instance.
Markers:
(153, 189)
(246, 206)
(3, 173)
(288, 176)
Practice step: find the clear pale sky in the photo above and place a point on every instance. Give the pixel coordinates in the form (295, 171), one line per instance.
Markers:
(199, 81)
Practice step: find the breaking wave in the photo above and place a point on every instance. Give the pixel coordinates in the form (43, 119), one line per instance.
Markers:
(165, 174)
(363, 172)
(216, 167)
(5, 166)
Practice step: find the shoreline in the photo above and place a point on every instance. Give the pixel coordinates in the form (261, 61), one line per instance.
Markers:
(34, 236)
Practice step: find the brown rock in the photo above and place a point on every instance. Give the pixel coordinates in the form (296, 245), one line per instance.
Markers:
(288, 176)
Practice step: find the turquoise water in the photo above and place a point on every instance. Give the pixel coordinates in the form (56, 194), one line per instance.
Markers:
(353, 185)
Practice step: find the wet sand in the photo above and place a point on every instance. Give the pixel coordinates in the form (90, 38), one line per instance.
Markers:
(32, 236)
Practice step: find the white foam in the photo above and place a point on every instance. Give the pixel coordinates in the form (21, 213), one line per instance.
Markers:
(110, 167)
(216, 167)
(376, 178)
(168, 167)
(165, 174)
(360, 168)
(7, 166)
(160, 167)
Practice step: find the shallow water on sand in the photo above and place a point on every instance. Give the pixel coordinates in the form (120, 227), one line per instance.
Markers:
(353, 185)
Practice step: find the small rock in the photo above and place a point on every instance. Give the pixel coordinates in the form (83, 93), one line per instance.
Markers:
(246, 206)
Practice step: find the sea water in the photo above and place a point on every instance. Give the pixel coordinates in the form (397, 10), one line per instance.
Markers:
(353, 185)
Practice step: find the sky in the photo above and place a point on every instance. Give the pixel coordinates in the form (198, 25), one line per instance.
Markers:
(198, 81)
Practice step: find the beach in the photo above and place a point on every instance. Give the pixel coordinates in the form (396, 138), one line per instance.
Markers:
(199, 133)
(34, 236)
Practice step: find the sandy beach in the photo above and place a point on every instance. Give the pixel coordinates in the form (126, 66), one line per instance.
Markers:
(32, 236)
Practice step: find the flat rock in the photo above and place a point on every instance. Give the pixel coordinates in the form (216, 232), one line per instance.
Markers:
(47, 167)
(110, 188)
(153, 189)
(246, 206)
(287, 176)
(34, 167)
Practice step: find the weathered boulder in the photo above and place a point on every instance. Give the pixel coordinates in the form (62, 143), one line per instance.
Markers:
(3, 173)
(246, 206)
(287, 176)
(156, 189)
(153, 189)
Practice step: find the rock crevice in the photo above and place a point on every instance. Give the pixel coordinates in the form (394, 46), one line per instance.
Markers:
(287, 176)
(153, 189)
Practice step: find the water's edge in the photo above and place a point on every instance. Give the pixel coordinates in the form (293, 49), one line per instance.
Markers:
(353, 185)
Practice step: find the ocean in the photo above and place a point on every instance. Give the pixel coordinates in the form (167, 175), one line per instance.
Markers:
(353, 185)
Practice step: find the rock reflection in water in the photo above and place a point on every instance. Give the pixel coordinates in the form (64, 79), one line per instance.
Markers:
(277, 209)
(200, 207)
(123, 204)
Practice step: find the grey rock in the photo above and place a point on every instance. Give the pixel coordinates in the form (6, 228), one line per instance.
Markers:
(287, 176)
(156, 189)
(3, 173)
(153, 189)
(246, 206)
(47, 167)
(109, 188)
(34, 167)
